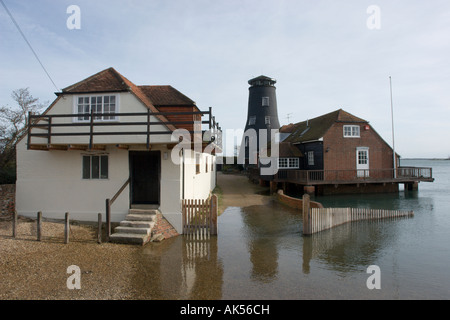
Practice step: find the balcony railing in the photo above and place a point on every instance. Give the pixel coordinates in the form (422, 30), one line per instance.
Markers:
(401, 174)
(46, 127)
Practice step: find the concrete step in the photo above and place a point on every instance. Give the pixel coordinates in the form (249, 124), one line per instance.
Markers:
(134, 230)
(143, 211)
(140, 217)
(130, 238)
(137, 224)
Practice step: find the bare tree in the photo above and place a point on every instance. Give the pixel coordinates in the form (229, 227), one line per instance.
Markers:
(13, 122)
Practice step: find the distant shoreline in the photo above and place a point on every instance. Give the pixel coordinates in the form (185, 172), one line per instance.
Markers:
(424, 159)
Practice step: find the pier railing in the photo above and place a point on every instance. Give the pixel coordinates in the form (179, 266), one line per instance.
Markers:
(355, 175)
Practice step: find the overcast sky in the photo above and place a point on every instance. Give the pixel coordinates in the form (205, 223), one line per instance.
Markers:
(325, 55)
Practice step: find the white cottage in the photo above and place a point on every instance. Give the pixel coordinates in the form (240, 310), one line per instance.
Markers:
(107, 138)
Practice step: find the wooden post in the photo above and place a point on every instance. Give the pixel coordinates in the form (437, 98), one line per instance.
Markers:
(99, 229)
(214, 212)
(66, 228)
(148, 129)
(39, 226)
(14, 224)
(306, 214)
(108, 219)
(91, 130)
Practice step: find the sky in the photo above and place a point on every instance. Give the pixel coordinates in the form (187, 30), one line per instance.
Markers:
(324, 54)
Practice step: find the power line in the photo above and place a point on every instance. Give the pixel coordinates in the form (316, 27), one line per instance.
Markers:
(25, 38)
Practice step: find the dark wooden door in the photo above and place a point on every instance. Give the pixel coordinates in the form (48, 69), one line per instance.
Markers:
(145, 172)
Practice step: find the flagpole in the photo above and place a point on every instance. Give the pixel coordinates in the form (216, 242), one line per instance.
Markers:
(393, 140)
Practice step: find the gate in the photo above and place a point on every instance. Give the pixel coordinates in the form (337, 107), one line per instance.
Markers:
(200, 217)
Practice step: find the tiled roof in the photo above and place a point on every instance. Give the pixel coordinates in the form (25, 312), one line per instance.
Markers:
(314, 129)
(109, 80)
(166, 96)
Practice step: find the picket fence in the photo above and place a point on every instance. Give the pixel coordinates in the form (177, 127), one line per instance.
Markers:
(319, 219)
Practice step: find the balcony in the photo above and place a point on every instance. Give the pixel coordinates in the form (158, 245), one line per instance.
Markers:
(91, 130)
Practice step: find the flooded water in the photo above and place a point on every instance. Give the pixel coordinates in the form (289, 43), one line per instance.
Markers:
(260, 252)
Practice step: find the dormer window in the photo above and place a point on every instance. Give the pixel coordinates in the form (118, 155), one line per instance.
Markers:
(265, 101)
(97, 104)
(251, 120)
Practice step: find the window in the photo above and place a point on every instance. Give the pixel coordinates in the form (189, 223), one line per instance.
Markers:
(310, 158)
(206, 164)
(293, 163)
(363, 156)
(265, 101)
(351, 131)
(267, 120)
(251, 120)
(288, 163)
(95, 167)
(96, 104)
(282, 163)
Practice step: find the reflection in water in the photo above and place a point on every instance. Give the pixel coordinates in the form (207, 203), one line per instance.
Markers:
(260, 252)
(178, 268)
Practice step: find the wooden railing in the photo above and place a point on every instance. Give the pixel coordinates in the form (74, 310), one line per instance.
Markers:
(47, 124)
(354, 176)
(109, 203)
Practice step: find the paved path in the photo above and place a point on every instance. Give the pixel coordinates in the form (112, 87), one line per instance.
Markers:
(238, 191)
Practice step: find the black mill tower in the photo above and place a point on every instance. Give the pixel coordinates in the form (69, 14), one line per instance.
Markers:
(262, 113)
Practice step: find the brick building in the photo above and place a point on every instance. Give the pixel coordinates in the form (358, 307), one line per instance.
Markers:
(340, 153)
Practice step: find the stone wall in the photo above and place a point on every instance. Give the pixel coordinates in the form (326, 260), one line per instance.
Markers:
(7, 199)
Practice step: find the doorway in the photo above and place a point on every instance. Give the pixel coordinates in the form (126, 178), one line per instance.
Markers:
(362, 162)
(145, 174)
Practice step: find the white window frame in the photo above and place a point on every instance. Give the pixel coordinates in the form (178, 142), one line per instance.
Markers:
(288, 163)
(352, 131)
(265, 102)
(310, 158)
(100, 108)
(251, 120)
(267, 120)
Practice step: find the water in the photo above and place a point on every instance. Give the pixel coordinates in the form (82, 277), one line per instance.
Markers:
(260, 252)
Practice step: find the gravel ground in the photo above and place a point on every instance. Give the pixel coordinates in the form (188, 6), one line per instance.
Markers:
(37, 270)
(30, 269)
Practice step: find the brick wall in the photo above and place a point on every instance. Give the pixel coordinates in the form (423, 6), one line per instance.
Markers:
(162, 226)
(7, 199)
(342, 151)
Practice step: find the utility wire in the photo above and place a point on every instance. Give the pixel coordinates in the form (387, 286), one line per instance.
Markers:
(25, 38)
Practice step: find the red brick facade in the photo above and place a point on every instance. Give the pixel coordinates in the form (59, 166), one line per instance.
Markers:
(341, 154)
(162, 226)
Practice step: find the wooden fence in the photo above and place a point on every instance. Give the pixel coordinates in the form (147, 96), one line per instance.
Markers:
(200, 217)
(319, 219)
